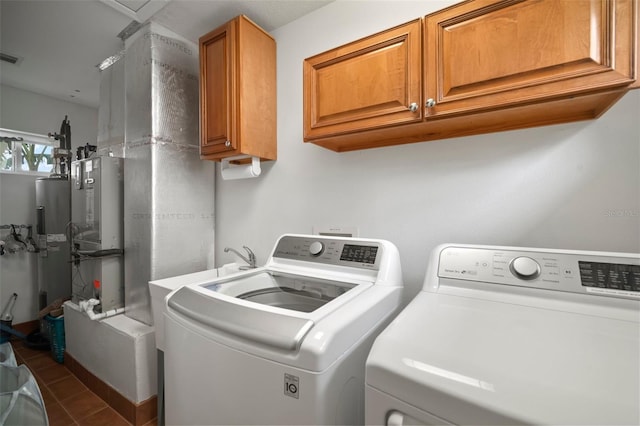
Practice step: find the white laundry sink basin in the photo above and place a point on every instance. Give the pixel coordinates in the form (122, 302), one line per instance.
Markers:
(159, 289)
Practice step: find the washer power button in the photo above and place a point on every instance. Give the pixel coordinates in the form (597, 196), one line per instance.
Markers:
(525, 268)
(316, 248)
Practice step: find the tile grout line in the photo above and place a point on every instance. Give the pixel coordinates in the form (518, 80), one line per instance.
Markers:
(53, 395)
(59, 401)
(20, 359)
(41, 383)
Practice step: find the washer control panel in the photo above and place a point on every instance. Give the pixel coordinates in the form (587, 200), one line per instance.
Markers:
(579, 272)
(327, 250)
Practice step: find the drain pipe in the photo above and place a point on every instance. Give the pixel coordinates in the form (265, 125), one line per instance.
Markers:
(87, 306)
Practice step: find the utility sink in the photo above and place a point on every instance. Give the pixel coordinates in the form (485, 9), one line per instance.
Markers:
(159, 289)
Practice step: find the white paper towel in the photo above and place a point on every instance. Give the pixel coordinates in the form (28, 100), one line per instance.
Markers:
(240, 171)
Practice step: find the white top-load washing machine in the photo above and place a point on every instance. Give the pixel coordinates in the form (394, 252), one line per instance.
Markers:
(504, 335)
(285, 343)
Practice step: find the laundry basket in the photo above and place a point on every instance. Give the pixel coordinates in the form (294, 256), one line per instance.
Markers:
(21, 402)
(56, 336)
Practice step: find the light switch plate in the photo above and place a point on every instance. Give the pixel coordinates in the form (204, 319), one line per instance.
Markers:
(335, 231)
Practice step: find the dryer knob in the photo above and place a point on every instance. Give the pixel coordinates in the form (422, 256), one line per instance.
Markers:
(316, 248)
(525, 268)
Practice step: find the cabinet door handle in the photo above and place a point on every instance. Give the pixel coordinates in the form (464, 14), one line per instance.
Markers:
(413, 107)
(430, 103)
(227, 143)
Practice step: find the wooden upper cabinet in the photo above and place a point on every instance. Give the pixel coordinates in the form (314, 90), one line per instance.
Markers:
(484, 65)
(488, 54)
(237, 92)
(371, 83)
(215, 82)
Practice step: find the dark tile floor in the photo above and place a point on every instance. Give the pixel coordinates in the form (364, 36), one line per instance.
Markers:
(67, 400)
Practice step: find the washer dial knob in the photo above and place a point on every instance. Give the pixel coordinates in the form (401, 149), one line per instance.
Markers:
(525, 268)
(316, 248)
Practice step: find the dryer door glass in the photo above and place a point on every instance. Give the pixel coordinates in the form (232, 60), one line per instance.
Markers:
(287, 291)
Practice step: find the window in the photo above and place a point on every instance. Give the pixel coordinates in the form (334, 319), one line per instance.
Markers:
(26, 152)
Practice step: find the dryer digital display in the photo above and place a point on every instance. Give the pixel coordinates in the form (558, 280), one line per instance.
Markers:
(610, 275)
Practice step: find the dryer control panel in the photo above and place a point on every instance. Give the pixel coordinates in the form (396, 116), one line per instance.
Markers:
(577, 272)
(333, 251)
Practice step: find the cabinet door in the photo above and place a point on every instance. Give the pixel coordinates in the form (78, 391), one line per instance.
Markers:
(367, 84)
(488, 54)
(216, 91)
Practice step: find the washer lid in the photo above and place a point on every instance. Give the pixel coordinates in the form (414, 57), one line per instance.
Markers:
(472, 361)
(266, 327)
(268, 307)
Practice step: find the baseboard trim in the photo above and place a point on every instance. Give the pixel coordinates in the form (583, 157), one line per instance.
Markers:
(137, 414)
(27, 327)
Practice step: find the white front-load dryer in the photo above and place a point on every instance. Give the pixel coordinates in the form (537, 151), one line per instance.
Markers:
(509, 335)
(285, 343)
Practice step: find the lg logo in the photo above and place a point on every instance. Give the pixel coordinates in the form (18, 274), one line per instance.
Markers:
(291, 385)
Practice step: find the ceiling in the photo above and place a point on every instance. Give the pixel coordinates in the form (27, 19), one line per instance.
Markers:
(59, 43)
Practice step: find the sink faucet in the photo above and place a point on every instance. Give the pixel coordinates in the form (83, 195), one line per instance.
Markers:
(251, 260)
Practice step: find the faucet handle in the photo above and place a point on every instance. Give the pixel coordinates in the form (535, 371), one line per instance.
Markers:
(252, 256)
(251, 260)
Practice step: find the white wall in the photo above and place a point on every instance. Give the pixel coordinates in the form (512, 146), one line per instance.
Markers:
(574, 186)
(30, 112)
